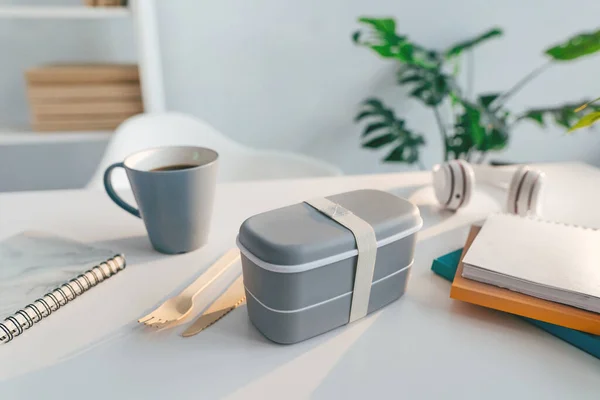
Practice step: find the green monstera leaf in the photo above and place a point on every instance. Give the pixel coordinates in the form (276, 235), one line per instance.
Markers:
(470, 122)
(383, 36)
(385, 129)
(576, 47)
(478, 128)
(458, 48)
(431, 86)
(406, 151)
(487, 99)
(565, 115)
(383, 28)
(383, 39)
(496, 124)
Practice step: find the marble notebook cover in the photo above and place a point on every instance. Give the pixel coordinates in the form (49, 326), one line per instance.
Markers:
(34, 263)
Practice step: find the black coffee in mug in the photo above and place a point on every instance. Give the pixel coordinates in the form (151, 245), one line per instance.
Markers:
(176, 167)
(176, 206)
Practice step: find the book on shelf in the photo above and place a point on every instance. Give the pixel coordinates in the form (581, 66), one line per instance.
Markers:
(83, 73)
(83, 96)
(62, 93)
(83, 117)
(108, 124)
(511, 301)
(87, 108)
(109, 3)
(79, 122)
(105, 3)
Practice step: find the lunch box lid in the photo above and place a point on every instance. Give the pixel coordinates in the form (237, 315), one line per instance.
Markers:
(298, 237)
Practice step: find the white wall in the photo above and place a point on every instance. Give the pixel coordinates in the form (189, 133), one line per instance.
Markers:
(286, 75)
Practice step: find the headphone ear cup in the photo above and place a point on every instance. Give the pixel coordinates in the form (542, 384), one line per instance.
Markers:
(536, 196)
(525, 192)
(469, 182)
(453, 184)
(442, 182)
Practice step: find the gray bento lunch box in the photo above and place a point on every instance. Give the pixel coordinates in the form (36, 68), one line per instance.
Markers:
(299, 264)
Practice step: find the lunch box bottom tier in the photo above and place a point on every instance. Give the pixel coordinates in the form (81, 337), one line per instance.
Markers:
(289, 327)
(297, 290)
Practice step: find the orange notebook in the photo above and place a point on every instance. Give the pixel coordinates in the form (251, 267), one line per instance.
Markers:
(520, 304)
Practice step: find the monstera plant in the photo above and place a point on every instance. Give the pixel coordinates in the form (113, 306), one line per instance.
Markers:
(470, 125)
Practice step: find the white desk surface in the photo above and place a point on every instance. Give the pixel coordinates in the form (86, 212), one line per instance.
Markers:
(424, 346)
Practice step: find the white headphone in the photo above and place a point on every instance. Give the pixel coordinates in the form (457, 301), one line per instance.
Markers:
(454, 181)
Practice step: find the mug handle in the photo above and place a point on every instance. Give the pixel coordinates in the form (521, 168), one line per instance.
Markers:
(110, 190)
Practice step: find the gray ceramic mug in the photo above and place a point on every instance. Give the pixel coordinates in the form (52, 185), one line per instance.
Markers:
(174, 188)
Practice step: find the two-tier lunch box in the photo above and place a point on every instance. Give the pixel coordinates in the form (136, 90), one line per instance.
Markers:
(299, 265)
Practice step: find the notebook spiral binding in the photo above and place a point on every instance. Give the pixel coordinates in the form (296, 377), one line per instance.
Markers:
(548, 221)
(25, 318)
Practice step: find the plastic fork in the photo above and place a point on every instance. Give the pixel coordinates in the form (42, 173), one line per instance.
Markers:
(178, 307)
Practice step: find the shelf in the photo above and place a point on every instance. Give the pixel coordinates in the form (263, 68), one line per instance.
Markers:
(24, 137)
(73, 12)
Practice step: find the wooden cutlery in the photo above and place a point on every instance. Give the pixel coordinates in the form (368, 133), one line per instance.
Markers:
(178, 307)
(231, 299)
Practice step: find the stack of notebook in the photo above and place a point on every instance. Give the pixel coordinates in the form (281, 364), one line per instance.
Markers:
(537, 269)
(83, 97)
(546, 272)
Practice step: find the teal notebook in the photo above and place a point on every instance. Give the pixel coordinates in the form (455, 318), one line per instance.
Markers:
(445, 266)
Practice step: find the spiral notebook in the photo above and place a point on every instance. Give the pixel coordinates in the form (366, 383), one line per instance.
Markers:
(41, 272)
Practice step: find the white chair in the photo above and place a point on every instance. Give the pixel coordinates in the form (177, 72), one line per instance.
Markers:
(236, 161)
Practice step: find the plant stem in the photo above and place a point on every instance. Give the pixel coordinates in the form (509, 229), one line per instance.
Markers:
(481, 157)
(519, 85)
(456, 67)
(469, 155)
(442, 129)
(583, 107)
(470, 74)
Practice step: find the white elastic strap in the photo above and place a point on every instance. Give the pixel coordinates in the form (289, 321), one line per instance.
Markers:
(366, 243)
